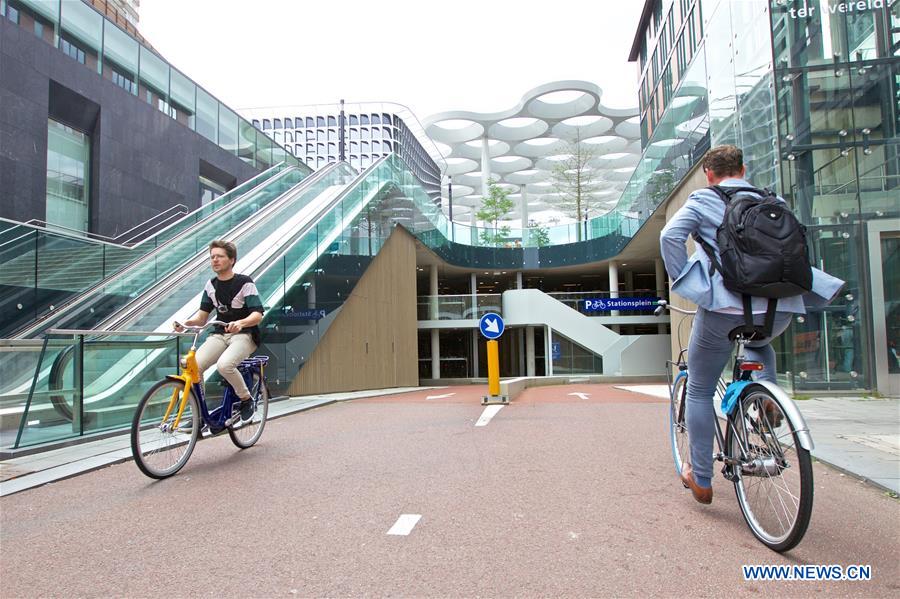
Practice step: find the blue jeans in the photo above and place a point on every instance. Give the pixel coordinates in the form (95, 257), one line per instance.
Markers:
(708, 354)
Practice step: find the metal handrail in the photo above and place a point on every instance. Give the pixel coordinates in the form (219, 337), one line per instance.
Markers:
(136, 264)
(176, 210)
(116, 332)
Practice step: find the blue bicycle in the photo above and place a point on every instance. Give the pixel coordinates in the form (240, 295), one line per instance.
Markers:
(173, 414)
(765, 448)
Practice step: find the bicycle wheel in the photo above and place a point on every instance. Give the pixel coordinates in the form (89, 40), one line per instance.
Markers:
(681, 451)
(159, 448)
(249, 432)
(773, 479)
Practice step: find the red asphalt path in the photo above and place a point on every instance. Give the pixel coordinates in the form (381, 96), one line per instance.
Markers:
(556, 496)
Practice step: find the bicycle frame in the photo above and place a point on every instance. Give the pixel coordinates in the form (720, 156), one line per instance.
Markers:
(192, 380)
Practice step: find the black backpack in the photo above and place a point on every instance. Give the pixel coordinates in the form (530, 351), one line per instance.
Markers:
(762, 247)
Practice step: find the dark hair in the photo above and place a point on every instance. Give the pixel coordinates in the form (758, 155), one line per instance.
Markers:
(724, 161)
(230, 248)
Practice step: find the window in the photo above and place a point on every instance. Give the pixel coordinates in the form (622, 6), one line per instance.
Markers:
(387, 147)
(267, 124)
(310, 135)
(376, 133)
(68, 176)
(376, 147)
(288, 137)
(332, 135)
(288, 123)
(354, 133)
(124, 82)
(12, 14)
(354, 120)
(363, 119)
(376, 120)
(277, 123)
(321, 135)
(310, 148)
(320, 149)
(354, 147)
(320, 121)
(332, 122)
(332, 149)
(71, 50)
(364, 146)
(256, 123)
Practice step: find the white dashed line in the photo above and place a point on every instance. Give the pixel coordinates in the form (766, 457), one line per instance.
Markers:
(404, 524)
(489, 412)
(444, 396)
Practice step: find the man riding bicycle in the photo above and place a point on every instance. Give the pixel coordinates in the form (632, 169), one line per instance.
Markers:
(720, 311)
(236, 301)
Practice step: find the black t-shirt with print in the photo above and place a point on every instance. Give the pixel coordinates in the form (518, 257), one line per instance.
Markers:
(232, 300)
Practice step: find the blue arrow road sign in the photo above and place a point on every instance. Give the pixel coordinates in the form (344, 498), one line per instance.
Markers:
(491, 325)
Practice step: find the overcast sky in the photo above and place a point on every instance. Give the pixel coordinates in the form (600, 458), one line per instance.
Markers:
(432, 56)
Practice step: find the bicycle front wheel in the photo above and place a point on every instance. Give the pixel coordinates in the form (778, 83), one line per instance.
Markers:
(773, 476)
(677, 425)
(248, 433)
(159, 446)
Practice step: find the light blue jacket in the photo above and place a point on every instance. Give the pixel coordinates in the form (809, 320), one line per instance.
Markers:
(702, 214)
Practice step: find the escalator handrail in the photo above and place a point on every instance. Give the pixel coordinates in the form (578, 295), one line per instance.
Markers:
(128, 311)
(34, 326)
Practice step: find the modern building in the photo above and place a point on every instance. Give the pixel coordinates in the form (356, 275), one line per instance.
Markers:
(317, 135)
(811, 92)
(90, 118)
(557, 147)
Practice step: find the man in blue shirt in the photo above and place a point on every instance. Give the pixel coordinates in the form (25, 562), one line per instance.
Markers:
(719, 310)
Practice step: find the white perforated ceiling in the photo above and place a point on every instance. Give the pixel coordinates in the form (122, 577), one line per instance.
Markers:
(525, 141)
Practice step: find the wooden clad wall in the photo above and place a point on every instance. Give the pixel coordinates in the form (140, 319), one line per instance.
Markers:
(695, 179)
(372, 343)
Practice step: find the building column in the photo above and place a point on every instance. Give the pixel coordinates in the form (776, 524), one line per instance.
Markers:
(529, 351)
(660, 288)
(524, 209)
(475, 333)
(485, 166)
(520, 280)
(549, 352)
(614, 287)
(433, 291)
(435, 354)
(629, 281)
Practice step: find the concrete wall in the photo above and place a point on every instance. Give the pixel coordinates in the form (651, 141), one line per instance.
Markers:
(143, 161)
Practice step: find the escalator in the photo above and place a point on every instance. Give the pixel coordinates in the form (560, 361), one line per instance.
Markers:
(319, 235)
(45, 275)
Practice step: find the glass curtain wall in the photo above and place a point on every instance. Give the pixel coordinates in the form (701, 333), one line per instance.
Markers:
(68, 177)
(838, 89)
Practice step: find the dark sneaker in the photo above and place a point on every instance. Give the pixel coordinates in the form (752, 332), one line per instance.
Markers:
(246, 410)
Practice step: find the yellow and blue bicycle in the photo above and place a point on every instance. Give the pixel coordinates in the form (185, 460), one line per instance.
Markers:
(173, 414)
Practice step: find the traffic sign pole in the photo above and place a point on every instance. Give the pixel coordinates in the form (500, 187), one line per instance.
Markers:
(493, 363)
(491, 326)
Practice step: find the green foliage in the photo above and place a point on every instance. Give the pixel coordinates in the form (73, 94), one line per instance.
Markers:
(493, 207)
(540, 236)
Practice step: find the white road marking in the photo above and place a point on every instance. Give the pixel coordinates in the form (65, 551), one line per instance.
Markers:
(440, 396)
(489, 412)
(581, 395)
(654, 390)
(404, 524)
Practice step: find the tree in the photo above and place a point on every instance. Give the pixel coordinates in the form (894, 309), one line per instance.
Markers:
(493, 207)
(538, 234)
(575, 180)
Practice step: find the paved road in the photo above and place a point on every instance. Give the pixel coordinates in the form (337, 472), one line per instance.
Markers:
(555, 496)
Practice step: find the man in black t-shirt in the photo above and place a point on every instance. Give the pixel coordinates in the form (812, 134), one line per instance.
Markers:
(236, 301)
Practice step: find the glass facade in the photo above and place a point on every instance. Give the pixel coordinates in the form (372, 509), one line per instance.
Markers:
(91, 39)
(68, 177)
(837, 80)
(810, 90)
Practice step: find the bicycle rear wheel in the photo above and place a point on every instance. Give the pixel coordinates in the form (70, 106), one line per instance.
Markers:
(160, 448)
(249, 432)
(773, 479)
(681, 451)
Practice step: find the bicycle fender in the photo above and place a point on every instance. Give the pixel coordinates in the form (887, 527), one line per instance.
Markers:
(177, 377)
(792, 412)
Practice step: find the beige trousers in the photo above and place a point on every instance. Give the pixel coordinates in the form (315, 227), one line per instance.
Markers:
(226, 352)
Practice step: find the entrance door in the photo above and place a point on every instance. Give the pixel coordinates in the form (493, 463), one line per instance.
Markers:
(884, 250)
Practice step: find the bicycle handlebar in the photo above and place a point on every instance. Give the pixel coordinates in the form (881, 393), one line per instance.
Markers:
(201, 328)
(664, 305)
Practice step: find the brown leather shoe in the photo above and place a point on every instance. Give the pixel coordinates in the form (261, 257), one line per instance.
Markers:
(701, 494)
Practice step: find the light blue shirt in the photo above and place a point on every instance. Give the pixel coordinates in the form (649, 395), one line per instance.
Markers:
(702, 214)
